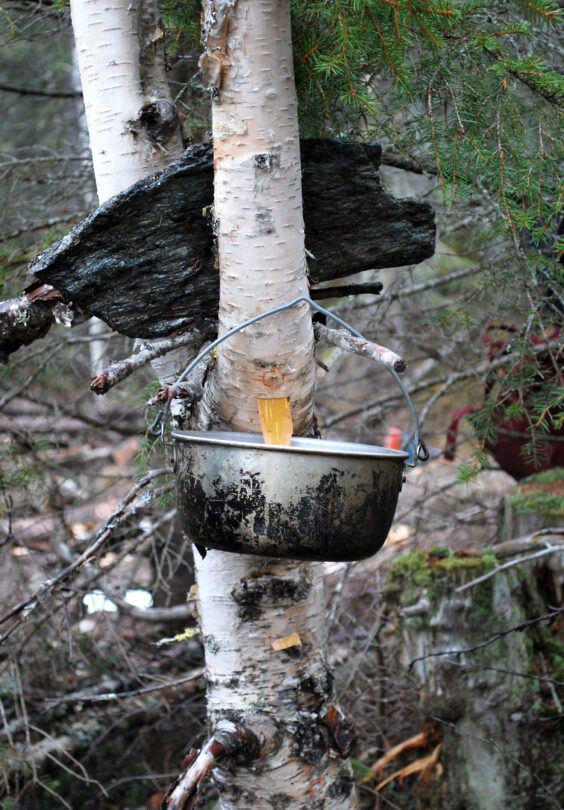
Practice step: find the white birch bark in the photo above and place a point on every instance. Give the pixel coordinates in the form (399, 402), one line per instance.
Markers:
(132, 124)
(133, 128)
(258, 209)
(247, 604)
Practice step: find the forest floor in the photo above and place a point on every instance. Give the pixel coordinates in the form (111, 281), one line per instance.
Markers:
(103, 709)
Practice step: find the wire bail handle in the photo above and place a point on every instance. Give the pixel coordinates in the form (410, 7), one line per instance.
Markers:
(158, 426)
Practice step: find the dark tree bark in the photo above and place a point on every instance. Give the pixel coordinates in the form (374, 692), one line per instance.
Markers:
(29, 317)
(144, 261)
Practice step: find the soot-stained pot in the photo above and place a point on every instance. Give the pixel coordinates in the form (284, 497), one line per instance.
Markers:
(315, 499)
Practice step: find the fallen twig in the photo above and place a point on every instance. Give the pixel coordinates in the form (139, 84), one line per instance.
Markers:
(88, 554)
(522, 545)
(174, 613)
(107, 696)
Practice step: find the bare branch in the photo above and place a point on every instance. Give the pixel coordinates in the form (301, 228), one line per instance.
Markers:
(41, 226)
(408, 163)
(122, 369)
(18, 389)
(186, 791)
(349, 343)
(25, 91)
(487, 668)
(520, 75)
(450, 379)
(80, 697)
(342, 290)
(548, 536)
(490, 640)
(174, 613)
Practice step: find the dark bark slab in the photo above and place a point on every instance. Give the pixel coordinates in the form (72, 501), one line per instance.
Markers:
(351, 222)
(144, 261)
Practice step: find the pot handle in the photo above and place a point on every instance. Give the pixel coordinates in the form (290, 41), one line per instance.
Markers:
(420, 453)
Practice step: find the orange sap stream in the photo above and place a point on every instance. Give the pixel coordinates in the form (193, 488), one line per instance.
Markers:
(275, 420)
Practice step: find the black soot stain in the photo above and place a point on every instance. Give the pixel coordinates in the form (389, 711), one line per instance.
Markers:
(342, 786)
(309, 743)
(267, 590)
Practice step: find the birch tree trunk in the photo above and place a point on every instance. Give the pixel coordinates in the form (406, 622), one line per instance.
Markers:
(132, 123)
(263, 620)
(133, 127)
(258, 210)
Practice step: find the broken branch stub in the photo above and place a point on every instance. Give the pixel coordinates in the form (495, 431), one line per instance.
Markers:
(29, 317)
(350, 343)
(145, 261)
(243, 743)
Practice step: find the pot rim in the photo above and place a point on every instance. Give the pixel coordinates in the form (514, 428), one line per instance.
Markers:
(304, 445)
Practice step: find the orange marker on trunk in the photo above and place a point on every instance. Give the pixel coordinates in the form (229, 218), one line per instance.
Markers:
(275, 420)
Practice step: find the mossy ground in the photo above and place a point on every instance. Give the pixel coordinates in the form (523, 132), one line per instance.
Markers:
(542, 493)
(436, 572)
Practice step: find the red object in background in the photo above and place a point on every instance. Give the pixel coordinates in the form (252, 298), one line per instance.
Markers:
(394, 439)
(512, 434)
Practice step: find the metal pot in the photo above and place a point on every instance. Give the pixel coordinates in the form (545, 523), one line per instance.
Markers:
(316, 499)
